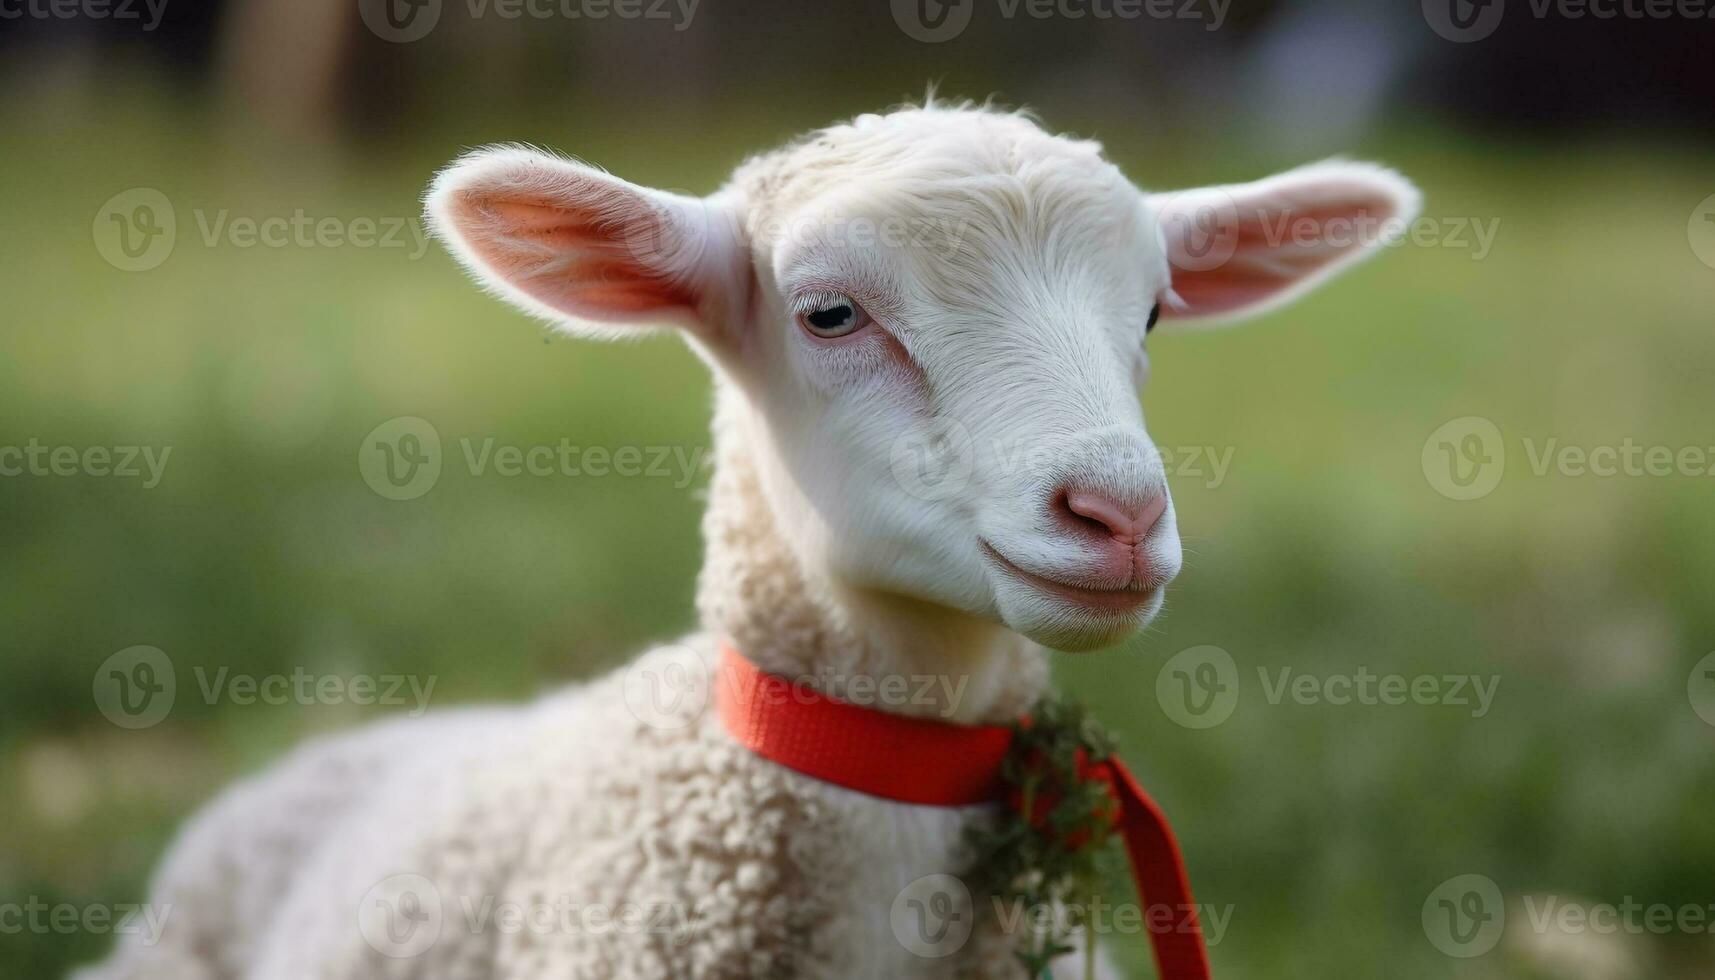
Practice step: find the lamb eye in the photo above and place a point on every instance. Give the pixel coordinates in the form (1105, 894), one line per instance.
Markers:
(839, 317)
(1154, 315)
(832, 318)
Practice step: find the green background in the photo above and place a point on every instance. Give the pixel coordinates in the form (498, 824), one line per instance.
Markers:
(1326, 549)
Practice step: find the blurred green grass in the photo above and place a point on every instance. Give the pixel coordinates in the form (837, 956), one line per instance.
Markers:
(1325, 549)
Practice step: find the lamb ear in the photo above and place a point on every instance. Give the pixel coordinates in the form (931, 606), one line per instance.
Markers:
(1240, 249)
(592, 253)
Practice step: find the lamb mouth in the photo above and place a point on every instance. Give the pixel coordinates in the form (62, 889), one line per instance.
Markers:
(1121, 601)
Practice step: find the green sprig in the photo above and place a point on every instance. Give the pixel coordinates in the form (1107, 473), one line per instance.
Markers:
(1043, 854)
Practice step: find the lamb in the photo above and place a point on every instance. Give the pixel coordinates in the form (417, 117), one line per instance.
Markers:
(928, 332)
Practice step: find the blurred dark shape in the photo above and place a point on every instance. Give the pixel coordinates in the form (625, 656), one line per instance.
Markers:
(1320, 77)
(1557, 72)
(1311, 72)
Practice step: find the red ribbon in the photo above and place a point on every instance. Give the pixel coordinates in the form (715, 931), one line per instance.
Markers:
(937, 763)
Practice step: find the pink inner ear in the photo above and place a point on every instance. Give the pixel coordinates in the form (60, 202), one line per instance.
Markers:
(575, 259)
(1275, 249)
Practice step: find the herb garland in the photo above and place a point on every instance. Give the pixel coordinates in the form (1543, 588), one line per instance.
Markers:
(1043, 855)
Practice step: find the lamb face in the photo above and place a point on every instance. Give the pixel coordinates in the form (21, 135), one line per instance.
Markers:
(951, 340)
(938, 320)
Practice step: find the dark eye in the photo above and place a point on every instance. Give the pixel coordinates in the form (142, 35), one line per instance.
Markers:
(1154, 315)
(837, 316)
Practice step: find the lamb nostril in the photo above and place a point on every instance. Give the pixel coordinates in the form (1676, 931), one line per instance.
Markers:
(1126, 524)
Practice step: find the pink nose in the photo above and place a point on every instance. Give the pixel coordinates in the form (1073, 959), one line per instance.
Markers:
(1127, 524)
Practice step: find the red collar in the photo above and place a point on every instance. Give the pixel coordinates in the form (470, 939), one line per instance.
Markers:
(859, 748)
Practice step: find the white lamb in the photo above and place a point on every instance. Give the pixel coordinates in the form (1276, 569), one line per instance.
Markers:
(927, 329)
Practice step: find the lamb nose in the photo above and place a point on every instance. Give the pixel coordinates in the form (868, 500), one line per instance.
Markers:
(1127, 525)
